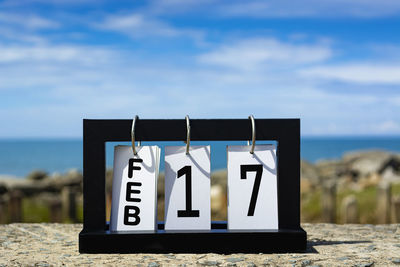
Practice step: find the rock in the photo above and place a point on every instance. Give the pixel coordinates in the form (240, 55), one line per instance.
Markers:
(218, 201)
(210, 263)
(34, 186)
(353, 156)
(220, 178)
(37, 175)
(330, 169)
(372, 179)
(3, 189)
(267, 261)
(397, 232)
(74, 173)
(396, 261)
(390, 175)
(365, 162)
(369, 264)
(309, 173)
(153, 264)
(219, 196)
(305, 262)
(392, 162)
(234, 260)
(370, 248)
(306, 186)
(42, 264)
(170, 256)
(355, 171)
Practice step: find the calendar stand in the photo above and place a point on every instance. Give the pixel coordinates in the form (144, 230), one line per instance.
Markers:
(96, 236)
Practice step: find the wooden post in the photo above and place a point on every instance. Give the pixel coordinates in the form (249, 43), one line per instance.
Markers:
(396, 209)
(383, 202)
(15, 206)
(349, 210)
(329, 201)
(108, 206)
(68, 195)
(3, 214)
(55, 210)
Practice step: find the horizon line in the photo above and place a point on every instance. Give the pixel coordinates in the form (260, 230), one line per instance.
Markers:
(306, 136)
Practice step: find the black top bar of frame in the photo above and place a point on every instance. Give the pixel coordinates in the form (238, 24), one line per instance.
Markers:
(201, 129)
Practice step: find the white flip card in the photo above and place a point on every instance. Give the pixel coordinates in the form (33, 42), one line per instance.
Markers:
(187, 188)
(134, 192)
(252, 188)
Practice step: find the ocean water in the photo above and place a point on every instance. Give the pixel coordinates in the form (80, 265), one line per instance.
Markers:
(19, 157)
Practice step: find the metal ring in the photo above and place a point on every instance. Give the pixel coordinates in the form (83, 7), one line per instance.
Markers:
(187, 134)
(253, 134)
(133, 135)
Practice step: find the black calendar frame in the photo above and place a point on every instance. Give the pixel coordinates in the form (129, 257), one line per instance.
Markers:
(96, 237)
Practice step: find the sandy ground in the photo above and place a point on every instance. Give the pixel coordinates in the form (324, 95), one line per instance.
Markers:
(328, 245)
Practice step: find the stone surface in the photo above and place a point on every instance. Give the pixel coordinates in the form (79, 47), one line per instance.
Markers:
(328, 245)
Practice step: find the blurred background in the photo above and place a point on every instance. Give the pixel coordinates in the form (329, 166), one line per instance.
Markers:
(334, 64)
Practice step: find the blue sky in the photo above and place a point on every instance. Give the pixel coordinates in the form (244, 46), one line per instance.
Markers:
(334, 63)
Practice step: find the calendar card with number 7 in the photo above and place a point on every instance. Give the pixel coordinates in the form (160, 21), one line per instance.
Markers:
(252, 188)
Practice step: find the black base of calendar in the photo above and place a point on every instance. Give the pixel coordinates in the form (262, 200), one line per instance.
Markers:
(218, 240)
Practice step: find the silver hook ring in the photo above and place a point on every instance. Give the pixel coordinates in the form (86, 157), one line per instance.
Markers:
(253, 134)
(133, 135)
(187, 134)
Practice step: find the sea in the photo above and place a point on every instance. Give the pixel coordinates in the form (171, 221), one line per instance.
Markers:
(19, 157)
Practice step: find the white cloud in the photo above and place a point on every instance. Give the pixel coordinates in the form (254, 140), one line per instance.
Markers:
(281, 8)
(386, 127)
(23, 28)
(138, 25)
(28, 21)
(249, 8)
(54, 86)
(313, 8)
(41, 53)
(25, 3)
(395, 100)
(366, 73)
(255, 53)
(57, 86)
(60, 94)
(8, 33)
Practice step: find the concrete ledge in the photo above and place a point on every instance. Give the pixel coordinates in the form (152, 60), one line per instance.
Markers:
(328, 245)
